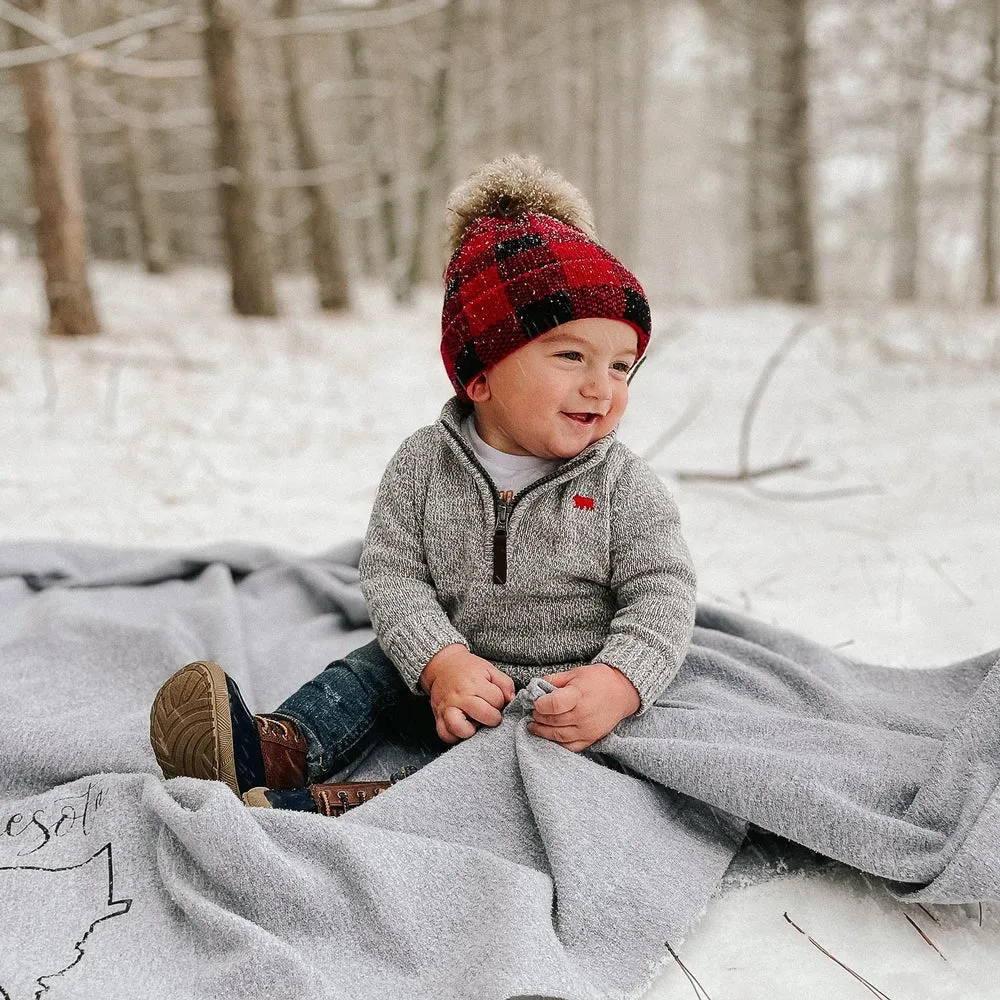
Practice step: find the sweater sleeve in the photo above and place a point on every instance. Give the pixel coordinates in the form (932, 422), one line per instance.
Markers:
(654, 585)
(408, 620)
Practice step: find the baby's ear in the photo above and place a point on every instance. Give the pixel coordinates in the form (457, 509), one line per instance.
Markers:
(478, 389)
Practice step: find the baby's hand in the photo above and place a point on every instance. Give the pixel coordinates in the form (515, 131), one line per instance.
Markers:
(588, 702)
(465, 690)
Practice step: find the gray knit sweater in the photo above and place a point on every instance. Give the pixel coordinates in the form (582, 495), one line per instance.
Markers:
(586, 565)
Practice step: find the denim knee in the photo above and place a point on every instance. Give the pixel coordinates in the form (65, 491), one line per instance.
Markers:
(347, 708)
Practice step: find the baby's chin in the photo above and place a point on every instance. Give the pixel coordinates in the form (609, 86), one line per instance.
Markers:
(571, 451)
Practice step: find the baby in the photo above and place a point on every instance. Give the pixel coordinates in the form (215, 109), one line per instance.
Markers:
(514, 538)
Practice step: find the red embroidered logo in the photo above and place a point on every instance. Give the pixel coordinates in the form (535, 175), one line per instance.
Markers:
(583, 503)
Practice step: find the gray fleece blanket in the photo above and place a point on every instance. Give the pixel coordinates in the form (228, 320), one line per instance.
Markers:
(506, 867)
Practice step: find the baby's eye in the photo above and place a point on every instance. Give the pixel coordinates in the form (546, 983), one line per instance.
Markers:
(621, 366)
(570, 354)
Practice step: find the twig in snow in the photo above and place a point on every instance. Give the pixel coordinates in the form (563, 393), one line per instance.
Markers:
(928, 912)
(763, 380)
(861, 979)
(980, 914)
(923, 935)
(837, 494)
(935, 564)
(48, 376)
(117, 364)
(111, 399)
(699, 991)
(743, 476)
(153, 361)
(681, 423)
(744, 473)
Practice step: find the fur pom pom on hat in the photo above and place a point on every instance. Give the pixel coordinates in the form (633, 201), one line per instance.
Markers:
(513, 186)
(524, 259)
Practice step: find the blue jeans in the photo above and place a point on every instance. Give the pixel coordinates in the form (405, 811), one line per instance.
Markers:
(353, 704)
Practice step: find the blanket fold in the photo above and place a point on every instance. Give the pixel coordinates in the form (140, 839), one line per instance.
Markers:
(506, 867)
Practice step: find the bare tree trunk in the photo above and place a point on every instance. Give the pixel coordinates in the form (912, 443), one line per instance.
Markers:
(139, 166)
(281, 202)
(910, 142)
(359, 132)
(618, 189)
(988, 220)
(906, 230)
(639, 50)
(57, 186)
(376, 142)
(238, 159)
(596, 135)
(325, 251)
(433, 154)
(560, 97)
(577, 28)
(781, 236)
(498, 29)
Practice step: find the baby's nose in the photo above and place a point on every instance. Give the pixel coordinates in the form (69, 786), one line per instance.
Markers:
(597, 387)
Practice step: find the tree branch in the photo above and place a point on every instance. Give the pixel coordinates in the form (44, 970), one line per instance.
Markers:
(160, 120)
(767, 373)
(84, 47)
(378, 18)
(694, 407)
(745, 474)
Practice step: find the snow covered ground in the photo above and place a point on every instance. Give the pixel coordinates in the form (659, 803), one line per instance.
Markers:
(185, 424)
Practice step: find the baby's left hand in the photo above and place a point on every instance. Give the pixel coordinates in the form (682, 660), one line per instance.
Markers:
(588, 703)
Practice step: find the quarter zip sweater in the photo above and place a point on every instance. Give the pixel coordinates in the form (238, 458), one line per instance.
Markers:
(585, 565)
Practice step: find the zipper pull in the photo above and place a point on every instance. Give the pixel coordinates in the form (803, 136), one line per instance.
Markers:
(500, 537)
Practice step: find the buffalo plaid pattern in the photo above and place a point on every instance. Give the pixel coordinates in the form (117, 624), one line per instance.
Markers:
(513, 279)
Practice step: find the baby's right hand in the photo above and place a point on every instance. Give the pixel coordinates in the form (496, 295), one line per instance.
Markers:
(465, 690)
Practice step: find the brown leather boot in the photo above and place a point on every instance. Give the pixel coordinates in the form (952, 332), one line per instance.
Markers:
(328, 799)
(335, 799)
(283, 749)
(200, 727)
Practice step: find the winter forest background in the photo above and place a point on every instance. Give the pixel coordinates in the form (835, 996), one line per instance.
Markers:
(807, 151)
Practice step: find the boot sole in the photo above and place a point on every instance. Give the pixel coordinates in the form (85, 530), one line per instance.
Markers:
(190, 727)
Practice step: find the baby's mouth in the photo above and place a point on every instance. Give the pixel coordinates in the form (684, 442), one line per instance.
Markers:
(582, 418)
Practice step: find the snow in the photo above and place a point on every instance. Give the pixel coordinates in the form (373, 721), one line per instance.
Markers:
(184, 424)
(744, 949)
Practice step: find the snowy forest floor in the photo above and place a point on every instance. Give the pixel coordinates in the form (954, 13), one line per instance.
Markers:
(184, 424)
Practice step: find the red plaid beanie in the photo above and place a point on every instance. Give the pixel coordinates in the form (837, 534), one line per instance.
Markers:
(525, 260)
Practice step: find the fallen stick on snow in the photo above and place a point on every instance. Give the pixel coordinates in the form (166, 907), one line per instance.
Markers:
(748, 475)
(861, 979)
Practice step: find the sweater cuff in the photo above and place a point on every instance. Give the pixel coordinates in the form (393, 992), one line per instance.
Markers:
(642, 664)
(411, 649)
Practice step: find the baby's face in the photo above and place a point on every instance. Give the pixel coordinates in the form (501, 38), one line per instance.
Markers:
(559, 393)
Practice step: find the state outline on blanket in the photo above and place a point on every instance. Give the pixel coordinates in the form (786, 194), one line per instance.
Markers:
(36, 956)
